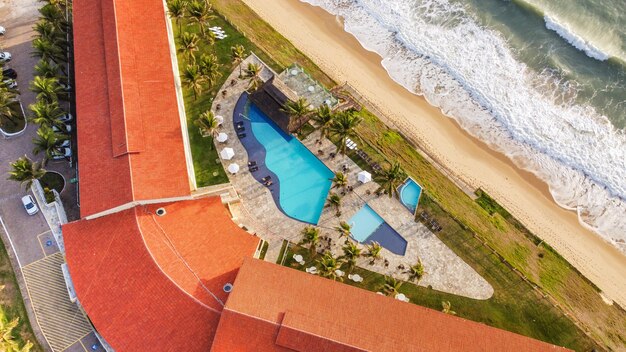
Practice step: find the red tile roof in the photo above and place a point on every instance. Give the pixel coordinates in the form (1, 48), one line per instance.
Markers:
(130, 141)
(130, 276)
(274, 308)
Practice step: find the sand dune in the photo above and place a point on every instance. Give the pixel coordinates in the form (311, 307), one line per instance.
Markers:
(321, 37)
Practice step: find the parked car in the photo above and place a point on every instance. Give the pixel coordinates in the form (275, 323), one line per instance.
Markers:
(5, 56)
(67, 128)
(65, 144)
(66, 117)
(65, 86)
(62, 153)
(29, 204)
(2, 30)
(9, 73)
(10, 83)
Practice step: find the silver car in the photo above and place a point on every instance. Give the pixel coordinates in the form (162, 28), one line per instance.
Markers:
(29, 204)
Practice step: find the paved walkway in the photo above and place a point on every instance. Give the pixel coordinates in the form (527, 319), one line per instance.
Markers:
(257, 211)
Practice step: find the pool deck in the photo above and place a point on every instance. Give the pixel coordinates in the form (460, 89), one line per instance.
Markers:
(259, 213)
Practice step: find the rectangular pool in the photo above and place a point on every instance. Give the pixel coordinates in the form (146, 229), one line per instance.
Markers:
(368, 226)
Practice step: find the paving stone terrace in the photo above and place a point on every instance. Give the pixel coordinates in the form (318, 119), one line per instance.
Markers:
(258, 212)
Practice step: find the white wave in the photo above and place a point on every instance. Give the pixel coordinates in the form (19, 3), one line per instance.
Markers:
(434, 49)
(576, 41)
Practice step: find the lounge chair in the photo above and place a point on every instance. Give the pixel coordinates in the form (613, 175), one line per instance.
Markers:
(266, 178)
(240, 128)
(251, 163)
(253, 168)
(241, 135)
(268, 183)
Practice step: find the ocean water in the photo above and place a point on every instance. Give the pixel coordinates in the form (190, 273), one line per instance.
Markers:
(542, 81)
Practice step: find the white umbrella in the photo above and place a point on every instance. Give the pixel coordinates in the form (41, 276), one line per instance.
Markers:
(355, 278)
(402, 297)
(227, 153)
(219, 119)
(364, 177)
(298, 257)
(222, 137)
(233, 168)
(339, 273)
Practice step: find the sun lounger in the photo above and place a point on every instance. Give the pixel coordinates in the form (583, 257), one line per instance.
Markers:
(241, 128)
(268, 183)
(251, 163)
(241, 135)
(266, 178)
(253, 168)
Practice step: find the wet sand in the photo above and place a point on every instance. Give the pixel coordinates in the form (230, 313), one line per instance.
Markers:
(321, 36)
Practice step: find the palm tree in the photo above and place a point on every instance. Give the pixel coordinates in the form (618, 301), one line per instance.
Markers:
(334, 200)
(373, 251)
(447, 308)
(253, 72)
(207, 123)
(351, 252)
(188, 45)
(390, 179)
(344, 229)
(47, 141)
(238, 53)
(7, 340)
(416, 272)
(46, 113)
(25, 171)
(344, 127)
(200, 12)
(210, 38)
(176, 10)
(48, 50)
(391, 286)
(310, 236)
(47, 89)
(48, 31)
(296, 110)
(8, 100)
(54, 15)
(324, 119)
(340, 180)
(45, 68)
(328, 266)
(193, 79)
(210, 69)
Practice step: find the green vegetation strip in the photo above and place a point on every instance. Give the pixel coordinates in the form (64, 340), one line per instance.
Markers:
(12, 304)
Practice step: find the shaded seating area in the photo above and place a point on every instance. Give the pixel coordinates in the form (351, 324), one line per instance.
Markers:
(270, 99)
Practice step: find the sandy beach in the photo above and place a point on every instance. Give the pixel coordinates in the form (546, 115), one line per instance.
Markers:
(320, 36)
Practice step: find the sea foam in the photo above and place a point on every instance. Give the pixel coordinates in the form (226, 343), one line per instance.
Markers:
(576, 41)
(434, 49)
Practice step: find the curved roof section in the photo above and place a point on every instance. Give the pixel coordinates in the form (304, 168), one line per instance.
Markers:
(274, 308)
(144, 280)
(130, 140)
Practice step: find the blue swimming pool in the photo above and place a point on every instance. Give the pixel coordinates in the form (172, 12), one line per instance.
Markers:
(410, 193)
(368, 226)
(303, 180)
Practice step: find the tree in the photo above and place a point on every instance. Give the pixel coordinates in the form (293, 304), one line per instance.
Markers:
(310, 236)
(48, 31)
(351, 252)
(7, 341)
(188, 45)
(45, 113)
(391, 286)
(54, 15)
(340, 180)
(193, 79)
(176, 10)
(390, 179)
(373, 251)
(238, 53)
(334, 200)
(48, 50)
(447, 308)
(7, 102)
(328, 266)
(416, 271)
(253, 72)
(47, 141)
(200, 12)
(25, 171)
(344, 229)
(344, 127)
(296, 110)
(45, 68)
(47, 89)
(210, 69)
(207, 123)
(324, 119)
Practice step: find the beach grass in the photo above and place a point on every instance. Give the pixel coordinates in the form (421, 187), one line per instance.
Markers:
(476, 230)
(12, 304)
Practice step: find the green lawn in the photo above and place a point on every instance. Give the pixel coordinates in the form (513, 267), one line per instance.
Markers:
(12, 304)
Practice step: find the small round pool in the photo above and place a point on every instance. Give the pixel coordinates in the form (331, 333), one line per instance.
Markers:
(410, 193)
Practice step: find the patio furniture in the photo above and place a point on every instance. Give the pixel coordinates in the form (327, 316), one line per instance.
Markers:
(364, 176)
(233, 168)
(311, 270)
(221, 137)
(219, 119)
(253, 168)
(227, 153)
(252, 163)
(241, 135)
